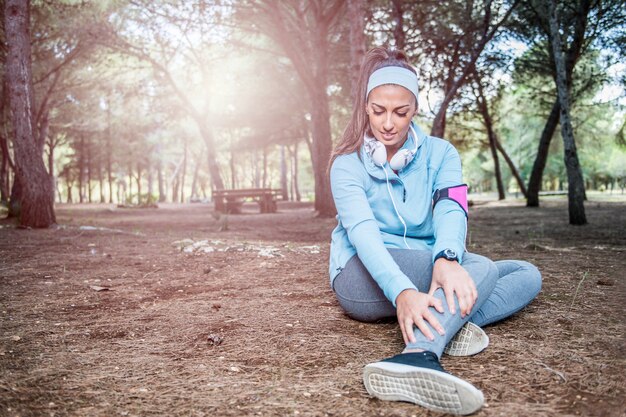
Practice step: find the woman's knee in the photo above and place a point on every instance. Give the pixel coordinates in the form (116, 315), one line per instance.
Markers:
(483, 271)
(532, 277)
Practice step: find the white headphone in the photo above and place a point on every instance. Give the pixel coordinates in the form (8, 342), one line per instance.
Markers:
(378, 152)
(402, 158)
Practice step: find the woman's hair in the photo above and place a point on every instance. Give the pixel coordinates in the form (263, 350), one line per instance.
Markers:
(358, 125)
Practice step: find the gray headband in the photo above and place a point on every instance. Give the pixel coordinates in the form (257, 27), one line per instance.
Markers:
(393, 75)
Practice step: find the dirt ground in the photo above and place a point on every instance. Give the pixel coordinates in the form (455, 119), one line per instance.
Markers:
(135, 312)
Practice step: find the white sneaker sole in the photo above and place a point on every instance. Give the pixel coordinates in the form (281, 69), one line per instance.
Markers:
(429, 388)
(468, 341)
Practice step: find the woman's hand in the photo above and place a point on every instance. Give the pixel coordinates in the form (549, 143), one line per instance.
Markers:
(453, 278)
(412, 309)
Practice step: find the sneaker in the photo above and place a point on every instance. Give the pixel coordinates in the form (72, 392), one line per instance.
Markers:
(468, 341)
(419, 378)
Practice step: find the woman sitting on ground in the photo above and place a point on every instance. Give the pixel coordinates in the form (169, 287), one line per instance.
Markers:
(399, 246)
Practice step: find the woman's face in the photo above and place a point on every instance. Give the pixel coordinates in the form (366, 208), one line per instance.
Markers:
(390, 109)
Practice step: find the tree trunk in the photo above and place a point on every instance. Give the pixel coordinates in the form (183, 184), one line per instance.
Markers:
(291, 184)
(123, 190)
(356, 15)
(264, 180)
(109, 150)
(70, 185)
(536, 175)
(162, 193)
(4, 171)
(214, 170)
(37, 206)
(149, 170)
(307, 139)
(42, 132)
(184, 172)
(576, 186)
(194, 181)
(89, 170)
(203, 189)
(15, 201)
(484, 111)
(284, 190)
(7, 161)
(173, 181)
(496, 164)
(51, 146)
(294, 174)
(231, 164)
(513, 168)
(256, 180)
(175, 194)
(139, 175)
(573, 54)
(59, 197)
(100, 179)
(110, 177)
(320, 117)
(81, 169)
(129, 192)
(322, 146)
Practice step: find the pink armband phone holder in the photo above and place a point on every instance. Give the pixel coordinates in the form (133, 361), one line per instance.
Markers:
(457, 193)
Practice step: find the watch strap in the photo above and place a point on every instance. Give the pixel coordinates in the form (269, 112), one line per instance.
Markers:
(443, 254)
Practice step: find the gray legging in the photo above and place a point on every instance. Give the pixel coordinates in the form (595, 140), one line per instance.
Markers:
(504, 287)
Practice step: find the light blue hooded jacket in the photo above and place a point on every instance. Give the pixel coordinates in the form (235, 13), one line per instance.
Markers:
(368, 223)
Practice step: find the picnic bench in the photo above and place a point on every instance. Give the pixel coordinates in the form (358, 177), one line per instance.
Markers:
(552, 192)
(231, 201)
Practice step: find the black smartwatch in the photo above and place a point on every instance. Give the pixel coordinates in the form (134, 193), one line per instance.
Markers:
(448, 254)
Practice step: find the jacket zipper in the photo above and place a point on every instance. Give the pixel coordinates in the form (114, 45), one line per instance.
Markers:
(403, 194)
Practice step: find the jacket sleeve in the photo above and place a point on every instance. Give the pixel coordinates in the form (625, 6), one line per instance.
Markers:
(449, 220)
(347, 179)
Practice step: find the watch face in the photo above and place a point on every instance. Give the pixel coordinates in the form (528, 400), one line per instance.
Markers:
(450, 254)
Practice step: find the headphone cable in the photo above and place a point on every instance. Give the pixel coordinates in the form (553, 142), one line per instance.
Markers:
(395, 208)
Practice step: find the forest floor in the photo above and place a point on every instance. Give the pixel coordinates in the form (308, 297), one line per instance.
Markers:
(115, 313)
